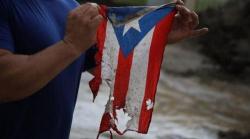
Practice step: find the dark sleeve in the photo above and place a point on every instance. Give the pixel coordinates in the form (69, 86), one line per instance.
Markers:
(89, 61)
(6, 39)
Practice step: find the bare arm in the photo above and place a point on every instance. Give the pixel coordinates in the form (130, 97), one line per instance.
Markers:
(23, 75)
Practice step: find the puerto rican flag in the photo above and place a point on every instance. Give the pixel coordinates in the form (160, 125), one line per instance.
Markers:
(131, 44)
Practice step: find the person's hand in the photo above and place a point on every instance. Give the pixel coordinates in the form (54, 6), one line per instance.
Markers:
(185, 24)
(82, 26)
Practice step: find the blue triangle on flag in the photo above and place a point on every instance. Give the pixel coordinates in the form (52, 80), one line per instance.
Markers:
(132, 37)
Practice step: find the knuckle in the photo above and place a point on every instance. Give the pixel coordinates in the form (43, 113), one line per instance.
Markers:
(84, 21)
(89, 23)
(94, 10)
(92, 4)
(99, 18)
(86, 5)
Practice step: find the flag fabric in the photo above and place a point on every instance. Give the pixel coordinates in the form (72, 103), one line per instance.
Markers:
(131, 44)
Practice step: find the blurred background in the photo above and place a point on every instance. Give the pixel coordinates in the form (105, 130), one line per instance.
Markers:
(204, 89)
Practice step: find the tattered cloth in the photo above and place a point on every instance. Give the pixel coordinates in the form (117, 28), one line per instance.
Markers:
(131, 43)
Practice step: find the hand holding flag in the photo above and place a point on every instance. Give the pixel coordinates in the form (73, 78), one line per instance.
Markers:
(185, 24)
(131, 43)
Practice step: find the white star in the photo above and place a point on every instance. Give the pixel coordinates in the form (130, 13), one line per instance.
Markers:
(133, 24)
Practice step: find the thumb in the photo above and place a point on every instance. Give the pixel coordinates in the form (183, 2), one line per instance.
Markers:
(199, 32)
(179, 2)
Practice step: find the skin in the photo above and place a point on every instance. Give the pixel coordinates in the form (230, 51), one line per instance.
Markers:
(185, 24)
(16, 83)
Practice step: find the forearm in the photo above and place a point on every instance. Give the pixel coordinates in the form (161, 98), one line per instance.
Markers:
(23, 75)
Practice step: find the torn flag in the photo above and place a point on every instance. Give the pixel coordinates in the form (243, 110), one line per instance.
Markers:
(131, 43)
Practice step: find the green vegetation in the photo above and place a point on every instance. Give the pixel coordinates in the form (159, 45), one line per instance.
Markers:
(227, 42)
(204, 4)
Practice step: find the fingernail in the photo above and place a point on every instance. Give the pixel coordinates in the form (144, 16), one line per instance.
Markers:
(93, 4)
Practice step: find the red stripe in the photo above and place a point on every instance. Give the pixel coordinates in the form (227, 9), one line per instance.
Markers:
(101, 35)
(105, 123)
(158, 44)
(96, 82)
(122, 80)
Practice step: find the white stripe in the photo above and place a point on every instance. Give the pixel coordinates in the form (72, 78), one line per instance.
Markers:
(137, 82)
(110, 60)
(110, 53)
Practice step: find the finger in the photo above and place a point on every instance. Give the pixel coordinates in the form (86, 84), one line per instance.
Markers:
(83, 8)
(95, 22)
(183, 15)
(199, 32)
(195, 20)
(184, 12)
(80, 10)
(92, 12)
(94, 4)
(77, 12)
(180, 2)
